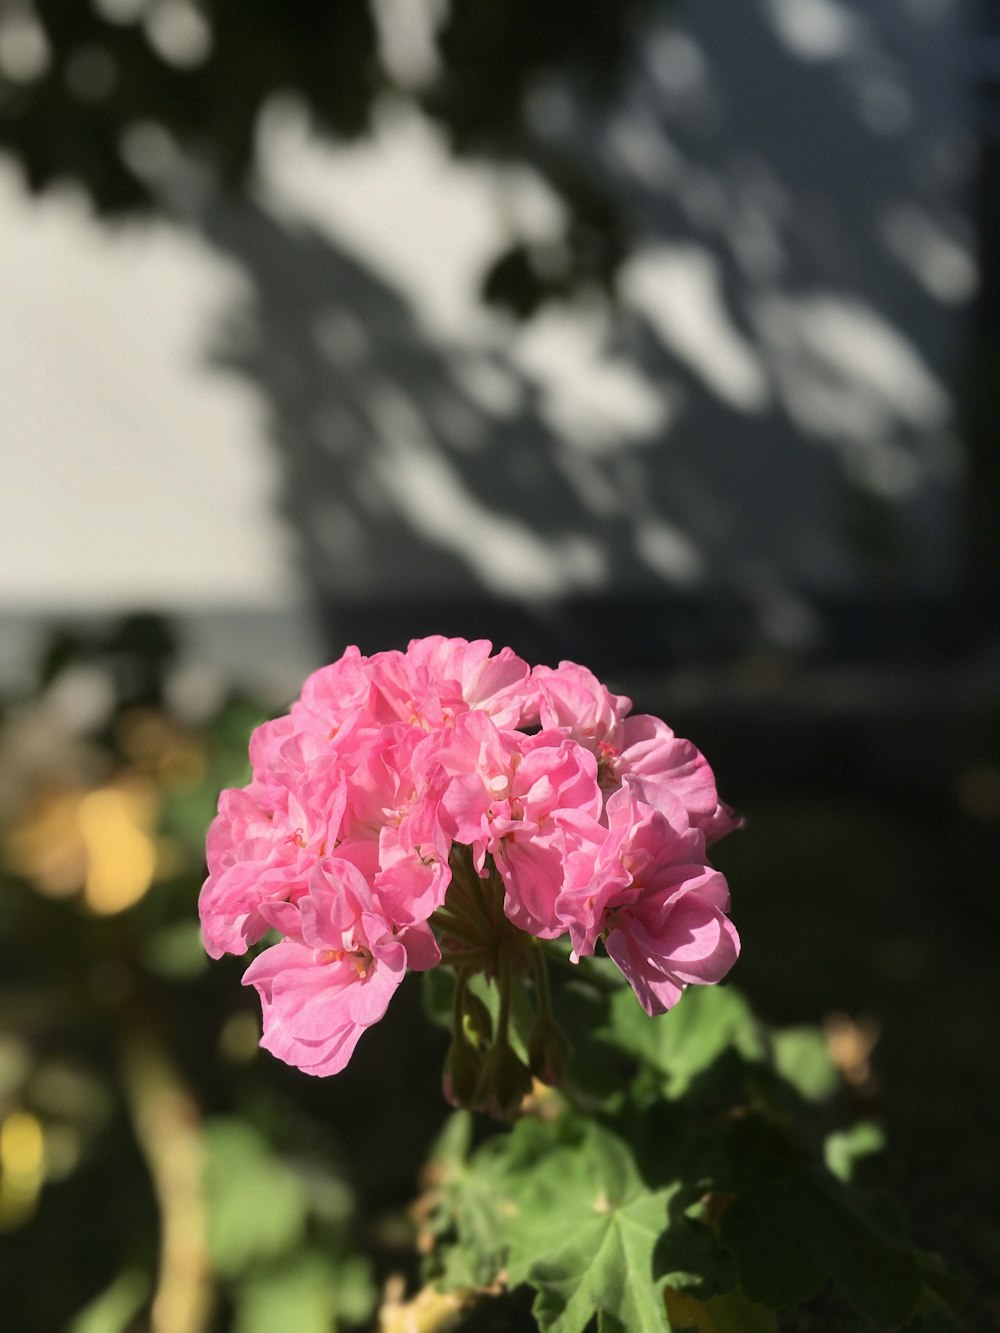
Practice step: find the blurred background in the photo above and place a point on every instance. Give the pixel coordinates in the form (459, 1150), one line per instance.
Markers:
(657, 334)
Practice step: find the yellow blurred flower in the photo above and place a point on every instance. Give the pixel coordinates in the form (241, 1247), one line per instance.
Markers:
(100, 841)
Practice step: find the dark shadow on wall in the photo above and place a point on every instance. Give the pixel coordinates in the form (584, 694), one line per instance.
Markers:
(800, 494)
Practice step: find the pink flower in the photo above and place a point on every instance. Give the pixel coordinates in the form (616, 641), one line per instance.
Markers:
(636, 746)
(674, 937)
(334, 699)
(546, 842)
(320, 990)
(258, 853)
(413, 872)
(343, 842)
(499, 685)
(658, 904)
(640, 844)
(533, 804)
(572, 697)
(663, 768)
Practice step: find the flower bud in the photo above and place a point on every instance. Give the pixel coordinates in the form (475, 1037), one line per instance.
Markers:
(462, 1069)
(504, 1082)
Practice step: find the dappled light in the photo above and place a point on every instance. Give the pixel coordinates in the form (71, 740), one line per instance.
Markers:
(780, 321)
(790, 308)
(22, 1166)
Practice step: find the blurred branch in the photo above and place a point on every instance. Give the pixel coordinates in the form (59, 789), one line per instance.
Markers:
(167, 1126)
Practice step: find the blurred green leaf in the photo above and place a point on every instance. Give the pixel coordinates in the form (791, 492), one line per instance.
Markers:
(451, 1147)
(689, 1256)
(176, 951)
(308, 1294)
(801, 1057)
(846, 1147)
(437, 991)
(256, 1204)
(115, 1308)
(732, 1312)
(471, 1215)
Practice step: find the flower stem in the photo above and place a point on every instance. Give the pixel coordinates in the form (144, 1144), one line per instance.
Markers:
(542, 990)
(505, 986)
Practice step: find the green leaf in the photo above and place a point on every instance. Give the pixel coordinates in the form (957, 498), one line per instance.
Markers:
(256, 1204)
(583, 1232)
(690, 1257)
(451, 1147)
(522, 1011)
(709, 1022)
(176, 951)
(438, 992)
(470, 1208)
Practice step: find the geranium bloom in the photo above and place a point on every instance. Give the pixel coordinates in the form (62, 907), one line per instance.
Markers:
(395, 773)
(635, 746)
(674, 934)
(498, 684)
(530, 802)
(260, 849)
(640, 843)
(335, 974)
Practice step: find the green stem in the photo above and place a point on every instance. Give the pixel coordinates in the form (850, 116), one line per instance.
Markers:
(493, 892)
(465, 899)
(449, 924)
(458, 1003)
(542, 990)
(505, 984)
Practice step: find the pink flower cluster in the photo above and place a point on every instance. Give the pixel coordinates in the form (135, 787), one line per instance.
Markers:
(596, 820)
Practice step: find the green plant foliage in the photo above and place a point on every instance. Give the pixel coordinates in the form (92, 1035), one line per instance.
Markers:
(712, 1021)
(845, 1148)
(582, 1233)
(467, 1203)
(694, 1171)
(710, 1209)
(793, 1228)
(131, 1071)
(732, 1312)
